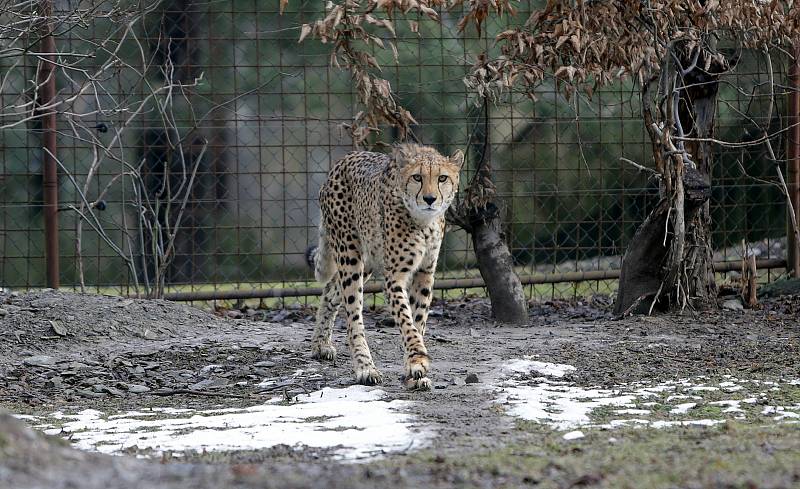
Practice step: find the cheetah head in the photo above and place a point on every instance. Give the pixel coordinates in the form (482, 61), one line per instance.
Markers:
(428, 181)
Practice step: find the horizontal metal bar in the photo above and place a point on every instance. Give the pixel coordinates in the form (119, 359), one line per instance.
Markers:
(444, 284)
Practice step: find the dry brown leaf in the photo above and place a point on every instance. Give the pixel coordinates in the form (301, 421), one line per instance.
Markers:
(304, 32)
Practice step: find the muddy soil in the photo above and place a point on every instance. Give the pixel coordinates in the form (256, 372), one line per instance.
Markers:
(70, 352)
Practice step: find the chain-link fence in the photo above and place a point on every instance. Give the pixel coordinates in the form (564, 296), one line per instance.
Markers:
(255, 119)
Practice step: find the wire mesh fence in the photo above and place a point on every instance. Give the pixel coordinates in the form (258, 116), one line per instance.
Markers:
(255, 120)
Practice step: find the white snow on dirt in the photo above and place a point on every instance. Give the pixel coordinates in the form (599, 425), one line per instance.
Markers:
(536, 391)
(573, 435)
(559, 405)
(683, 408)
(356, 422)
(526, 365)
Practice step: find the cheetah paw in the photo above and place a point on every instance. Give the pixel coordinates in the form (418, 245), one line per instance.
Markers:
(423, 384)
(368, 376)
(323, 352)
(417, 366)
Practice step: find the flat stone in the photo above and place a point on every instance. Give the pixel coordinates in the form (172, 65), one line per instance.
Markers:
(149, 335)
(40, 361)
(732, 305)
(90, 394)
(110, 390)
(58, 328)
(209, 384)
(137, 389)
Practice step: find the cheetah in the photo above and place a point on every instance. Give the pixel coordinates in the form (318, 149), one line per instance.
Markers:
(385, 214)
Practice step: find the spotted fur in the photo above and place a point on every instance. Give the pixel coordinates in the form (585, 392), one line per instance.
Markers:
(384, 214)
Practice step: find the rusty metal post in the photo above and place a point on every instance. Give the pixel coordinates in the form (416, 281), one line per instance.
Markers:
(793, 162)
(47, 87)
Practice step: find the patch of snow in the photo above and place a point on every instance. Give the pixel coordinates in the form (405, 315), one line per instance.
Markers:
(780, 412)
(681, 396)
(561, 406)
(616, 423)
(656, 389)
(731, 406)
(632, 411)
(566, 406)
(526, 365)
(574, 435)
(683, 408)
(131, 414)
(691, 422)
(355, 422)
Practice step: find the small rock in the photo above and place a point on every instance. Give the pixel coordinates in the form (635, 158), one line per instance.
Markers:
(732, 305)
(3, 312)
(90, 394)
(209, 384)
(573, 435)
(471, 378)
(137, 389)
(110, 390)
(149, 335)
(58, 328)
(40, 361)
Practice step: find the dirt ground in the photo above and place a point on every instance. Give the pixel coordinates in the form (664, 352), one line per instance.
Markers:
(69, 352)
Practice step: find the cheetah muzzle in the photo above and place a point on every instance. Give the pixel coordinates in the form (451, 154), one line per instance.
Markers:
(382, 213)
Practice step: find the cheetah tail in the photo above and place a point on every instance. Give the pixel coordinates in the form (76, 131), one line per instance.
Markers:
(320, 259)
(311, 256)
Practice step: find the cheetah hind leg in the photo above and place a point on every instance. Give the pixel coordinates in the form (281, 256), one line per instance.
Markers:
(352, 276)
(321, 345)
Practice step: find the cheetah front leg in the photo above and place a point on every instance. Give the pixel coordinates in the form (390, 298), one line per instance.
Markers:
(417, 361)
(351, 278)
(420, 299)
(321, 346)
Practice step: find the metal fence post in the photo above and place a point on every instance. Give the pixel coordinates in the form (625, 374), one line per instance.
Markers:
(47, 84)
(793, 162)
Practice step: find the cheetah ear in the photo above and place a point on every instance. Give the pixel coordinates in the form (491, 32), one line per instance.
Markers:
(458, 158)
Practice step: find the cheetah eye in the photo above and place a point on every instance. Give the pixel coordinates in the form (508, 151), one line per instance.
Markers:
(442, 178)
(417, 177)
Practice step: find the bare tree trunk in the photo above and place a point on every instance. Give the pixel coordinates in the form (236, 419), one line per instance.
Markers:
(480, 217)
(497, 269)
(669, 262)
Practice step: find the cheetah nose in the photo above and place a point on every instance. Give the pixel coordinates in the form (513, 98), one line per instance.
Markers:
(429, 199)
